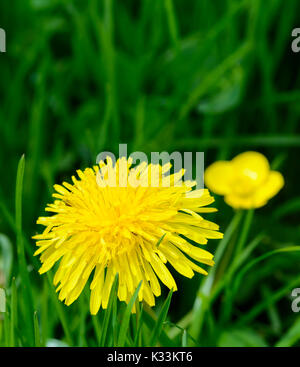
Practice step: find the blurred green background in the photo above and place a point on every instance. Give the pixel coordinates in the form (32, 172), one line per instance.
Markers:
(81, 77)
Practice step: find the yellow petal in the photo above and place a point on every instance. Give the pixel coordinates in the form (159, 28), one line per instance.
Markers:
(260, 196)
(217, 177)
(240, 202)
(270, 188)
(251, 166)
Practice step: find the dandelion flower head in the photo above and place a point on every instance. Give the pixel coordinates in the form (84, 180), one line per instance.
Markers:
(132, 229)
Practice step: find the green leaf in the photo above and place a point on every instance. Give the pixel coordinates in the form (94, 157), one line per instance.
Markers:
(126, 317)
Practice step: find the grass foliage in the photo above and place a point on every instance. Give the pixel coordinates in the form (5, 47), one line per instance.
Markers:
(79, 77)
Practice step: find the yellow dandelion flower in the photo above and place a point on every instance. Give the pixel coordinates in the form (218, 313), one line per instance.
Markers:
(246, 181)
(116, 228)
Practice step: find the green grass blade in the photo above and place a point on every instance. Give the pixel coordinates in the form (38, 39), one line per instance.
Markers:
(126, 317)
(184, 339)
(172, 23)
(212, 78)
(161, 319)
(26, 285)
(260, 259)
(60, 311)
(245, 231)
(97, 327)
(108, 311)
(260, 307)
(6, 330)
(37, 337)
(291, 336)
(150, 321)
(13, 314)
(204, 291)
(137, 338)
(7, 256)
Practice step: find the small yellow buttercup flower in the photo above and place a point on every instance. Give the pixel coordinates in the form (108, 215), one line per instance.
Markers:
(128, 229)
(246, 181)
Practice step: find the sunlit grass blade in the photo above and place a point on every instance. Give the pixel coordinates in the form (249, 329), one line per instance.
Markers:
(126, 317)
(184, 339)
